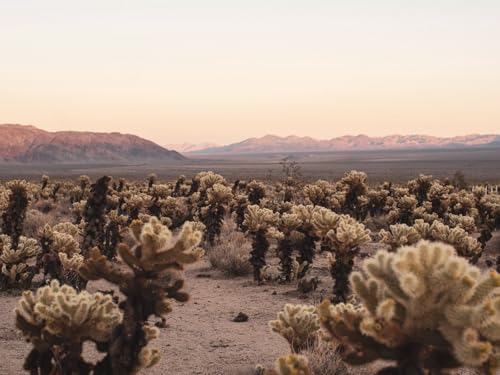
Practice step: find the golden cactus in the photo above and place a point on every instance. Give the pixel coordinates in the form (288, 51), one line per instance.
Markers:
(399, 235)
(424, 307)
(298, 324)
(15, 270)
(152, 281)
(292, 364)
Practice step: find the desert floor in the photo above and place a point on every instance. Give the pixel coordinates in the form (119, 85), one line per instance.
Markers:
(201, 337)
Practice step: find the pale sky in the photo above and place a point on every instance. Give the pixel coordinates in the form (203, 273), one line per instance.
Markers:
(221, 71)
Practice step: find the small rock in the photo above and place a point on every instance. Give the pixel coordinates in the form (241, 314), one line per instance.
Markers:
(204, 275)
(241, 317)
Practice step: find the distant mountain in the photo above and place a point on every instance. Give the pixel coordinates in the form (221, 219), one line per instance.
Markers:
(25, 143)
(190, 147)
(273, 143)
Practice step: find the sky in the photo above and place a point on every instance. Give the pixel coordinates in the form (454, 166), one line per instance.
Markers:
(222, 71)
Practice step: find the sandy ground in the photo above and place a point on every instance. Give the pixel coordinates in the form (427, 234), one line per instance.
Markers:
(201, 337)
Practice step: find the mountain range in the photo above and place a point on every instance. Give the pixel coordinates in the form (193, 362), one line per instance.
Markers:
(273, 143)
(28, 144)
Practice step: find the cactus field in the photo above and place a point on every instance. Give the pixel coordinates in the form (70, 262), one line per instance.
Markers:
(207, 274)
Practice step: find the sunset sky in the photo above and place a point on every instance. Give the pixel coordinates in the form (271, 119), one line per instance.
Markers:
(220, 71)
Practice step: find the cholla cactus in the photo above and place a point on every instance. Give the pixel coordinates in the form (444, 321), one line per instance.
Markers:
(377, 200)
(307, 245)
(467, 223)
(465, 245)
(44, 182)
(423, 307)
(344, 241)
(420, 187)
(15, 270)
(298, 324)
(463, 203)
(15, 212)
(399, 235)
(58, 320)
(319, 193)
(292, 364)
(218, 196)
(259, 221)
(151, 180)
(403, 210)
(239, 206)
(288, 225)
(134, 205)
(354, 186)
(256, 191)
(93, 234)
(438, 196)
(60, 257)
(151, 281)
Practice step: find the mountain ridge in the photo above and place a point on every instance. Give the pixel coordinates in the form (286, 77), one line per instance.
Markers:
(273, 143)
(29, 144)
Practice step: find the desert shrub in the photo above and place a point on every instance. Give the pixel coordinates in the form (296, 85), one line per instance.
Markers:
(325, 359)
(231, 255)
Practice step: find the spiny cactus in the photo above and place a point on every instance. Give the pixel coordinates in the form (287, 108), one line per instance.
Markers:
(420, 187)
(399, 235)
(60, 256)
(259, 221)
(256, 191)
(307, 245)
(152, 279)
(465, 245)
(218, 196)
(292, 364)
(298, 324)
(14, 262)
(424, 307)
(344, 241)
(15, 212)
(93, 214)
(354, 186)
(151, 180)
(58, 320)
(288, 225)
(319, 193)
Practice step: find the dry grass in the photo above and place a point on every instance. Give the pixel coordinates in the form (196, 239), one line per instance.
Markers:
(231, 252)
(325, 360)
(43, 213)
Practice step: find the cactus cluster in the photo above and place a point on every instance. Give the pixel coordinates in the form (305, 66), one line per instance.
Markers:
(423, 307)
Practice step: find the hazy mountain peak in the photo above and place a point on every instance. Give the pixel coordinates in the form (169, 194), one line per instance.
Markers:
(293, 143)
